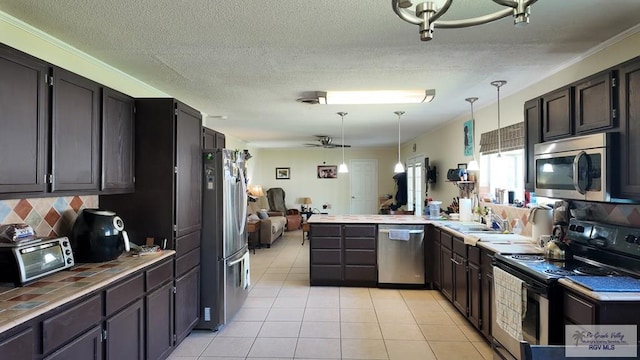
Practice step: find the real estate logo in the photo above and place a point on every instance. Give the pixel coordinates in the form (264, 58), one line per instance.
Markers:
(601, 341)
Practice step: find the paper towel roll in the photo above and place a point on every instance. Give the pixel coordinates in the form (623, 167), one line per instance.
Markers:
(465, 210)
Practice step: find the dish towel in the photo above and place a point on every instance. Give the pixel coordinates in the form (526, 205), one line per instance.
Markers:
(471, 240)
(399, 234)
(511, 302)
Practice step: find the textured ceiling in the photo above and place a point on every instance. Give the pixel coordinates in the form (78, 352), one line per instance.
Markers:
(249, 61)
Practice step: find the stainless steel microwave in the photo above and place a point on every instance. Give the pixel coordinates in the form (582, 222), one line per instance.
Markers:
(25, 262)
(575, 168)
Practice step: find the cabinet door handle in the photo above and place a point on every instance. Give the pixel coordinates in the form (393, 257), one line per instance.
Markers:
(456, 262)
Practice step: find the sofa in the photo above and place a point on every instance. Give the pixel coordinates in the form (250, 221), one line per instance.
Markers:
(272, 223)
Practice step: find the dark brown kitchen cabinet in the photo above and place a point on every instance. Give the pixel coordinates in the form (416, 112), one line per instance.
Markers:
(432, 256)
(19, 346)
(360, 256)
(532, 136)
(557, 116)
(86, 347)
(212, 139)
(118, 171)
(24, 109)
(125, 333)
(595, 103)
(168, 154)
(460, 280)
(629, 87)
(486, 260)
(75, 132)
(187, 303)
(474, 286)
(326, 264)
(70, 323)
(159, 322)
(446, 260)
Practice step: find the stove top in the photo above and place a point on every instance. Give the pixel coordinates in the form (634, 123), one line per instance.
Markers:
(600, 250)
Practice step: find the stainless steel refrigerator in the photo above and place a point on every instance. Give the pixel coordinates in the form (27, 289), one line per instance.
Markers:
(224, 281)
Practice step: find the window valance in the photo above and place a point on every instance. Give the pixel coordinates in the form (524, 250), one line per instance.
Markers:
(511, 138)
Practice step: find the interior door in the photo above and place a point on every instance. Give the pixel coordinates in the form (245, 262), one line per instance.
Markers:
(363, 186)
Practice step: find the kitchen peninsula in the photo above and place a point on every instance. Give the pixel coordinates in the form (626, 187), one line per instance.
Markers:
(91, 310)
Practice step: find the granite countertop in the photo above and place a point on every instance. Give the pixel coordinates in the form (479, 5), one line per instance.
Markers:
(368, 219)
(600, 295)
(21, 304)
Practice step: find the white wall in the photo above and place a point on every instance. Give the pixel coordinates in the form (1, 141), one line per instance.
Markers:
(444, 145)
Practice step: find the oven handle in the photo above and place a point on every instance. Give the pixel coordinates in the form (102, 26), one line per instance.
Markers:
(539, 290)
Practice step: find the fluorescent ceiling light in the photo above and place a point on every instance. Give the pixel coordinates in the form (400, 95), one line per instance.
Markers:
(376, 97)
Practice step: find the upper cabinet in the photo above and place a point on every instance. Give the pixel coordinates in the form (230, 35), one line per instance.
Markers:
(556, 115)
(594, 103)
(212, 139)
(118, 127)
(24, 104)
(629, 75)
(74, 132)
(61, 133)
(532, 136)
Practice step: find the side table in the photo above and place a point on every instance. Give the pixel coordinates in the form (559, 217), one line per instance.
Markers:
(253, 229)
(305, 229)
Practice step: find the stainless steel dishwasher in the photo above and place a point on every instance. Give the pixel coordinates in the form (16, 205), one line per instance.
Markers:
(401, 254)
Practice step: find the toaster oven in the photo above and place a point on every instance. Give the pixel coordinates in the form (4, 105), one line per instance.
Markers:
(22, 263)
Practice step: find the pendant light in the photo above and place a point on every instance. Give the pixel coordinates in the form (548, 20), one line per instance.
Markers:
(473, 164)
(498, 84)
(399, 167)
(343, 167)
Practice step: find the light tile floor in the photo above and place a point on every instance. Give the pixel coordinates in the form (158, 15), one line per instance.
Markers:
(285, 318)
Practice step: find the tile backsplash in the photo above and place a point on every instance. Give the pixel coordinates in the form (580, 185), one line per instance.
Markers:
(52, 216)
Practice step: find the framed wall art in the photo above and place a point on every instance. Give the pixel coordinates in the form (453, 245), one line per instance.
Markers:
(283, 173)
(327, 171)
(468, 138)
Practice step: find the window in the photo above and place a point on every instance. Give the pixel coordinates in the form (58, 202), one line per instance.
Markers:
(505, 172)
(414, 184)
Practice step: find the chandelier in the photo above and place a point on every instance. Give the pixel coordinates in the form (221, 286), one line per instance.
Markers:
(427, 14)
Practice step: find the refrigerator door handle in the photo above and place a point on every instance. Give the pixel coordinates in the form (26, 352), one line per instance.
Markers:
(243, 203)
(235, 262)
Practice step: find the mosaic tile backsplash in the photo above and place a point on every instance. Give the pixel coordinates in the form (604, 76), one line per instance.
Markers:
(47, 216)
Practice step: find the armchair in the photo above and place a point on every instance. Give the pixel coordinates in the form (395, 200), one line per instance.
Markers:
(277, 203)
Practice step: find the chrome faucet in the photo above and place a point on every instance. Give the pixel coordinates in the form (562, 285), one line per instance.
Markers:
(503, 224)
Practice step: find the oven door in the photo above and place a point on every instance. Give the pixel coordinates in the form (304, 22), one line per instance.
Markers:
(535, 325)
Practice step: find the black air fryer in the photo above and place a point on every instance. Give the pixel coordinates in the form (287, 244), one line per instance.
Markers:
(98, 236)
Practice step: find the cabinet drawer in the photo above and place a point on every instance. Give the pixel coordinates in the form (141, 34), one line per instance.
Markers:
(122, 294)
(459, 246)
(325, 257)
(360, 257)
(159, 274)
(187, 262)
(446, 240)
(187, 243)
(326, 230)
(360, 273)
(473, 254)
(325, 242)
(360, 230)
(19, 346)
(577, 310)
(326, 272)
(68, 324)
(360, 243)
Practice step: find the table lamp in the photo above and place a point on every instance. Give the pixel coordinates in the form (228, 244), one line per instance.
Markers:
(255, 191)
(307, 202)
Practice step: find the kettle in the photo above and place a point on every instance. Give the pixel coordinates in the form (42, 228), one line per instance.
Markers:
(98, 236)
(540, 219)
(557, 250)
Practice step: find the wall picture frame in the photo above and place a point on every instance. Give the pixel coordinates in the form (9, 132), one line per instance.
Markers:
(468, 138)
(327, 171)
(283, 173)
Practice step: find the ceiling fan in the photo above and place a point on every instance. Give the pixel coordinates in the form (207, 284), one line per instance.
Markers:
(326, 142)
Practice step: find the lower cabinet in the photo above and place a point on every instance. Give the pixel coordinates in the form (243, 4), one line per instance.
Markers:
(19, 346)
(460, 277)
(130, 319)
(187, 297)
(125, 333)
(446, 258)
(343, 254)
(86, 347)
(486, 292)
(474, 313)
